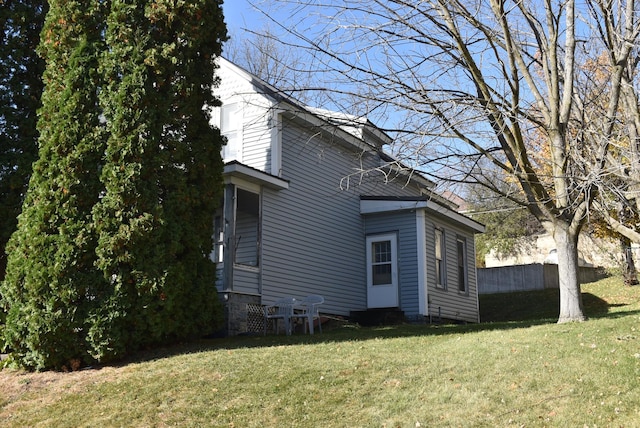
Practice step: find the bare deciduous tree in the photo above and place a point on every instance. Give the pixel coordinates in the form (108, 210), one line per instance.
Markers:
(463, 84)
(262, 55)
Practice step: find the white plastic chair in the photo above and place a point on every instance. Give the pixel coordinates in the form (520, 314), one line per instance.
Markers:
(282, 309)
(309, 306)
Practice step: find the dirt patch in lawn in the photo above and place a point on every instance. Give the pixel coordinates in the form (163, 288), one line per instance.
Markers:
(20, 388)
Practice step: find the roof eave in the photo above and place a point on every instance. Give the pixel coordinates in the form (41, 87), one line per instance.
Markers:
(237, 169)
(380, 205)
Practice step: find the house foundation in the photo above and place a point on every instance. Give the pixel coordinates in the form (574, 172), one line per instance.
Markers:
(243, 313)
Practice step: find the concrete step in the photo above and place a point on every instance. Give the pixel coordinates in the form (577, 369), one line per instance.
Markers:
(378, 316)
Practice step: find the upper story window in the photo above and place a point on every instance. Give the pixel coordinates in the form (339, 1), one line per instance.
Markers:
(231, 128)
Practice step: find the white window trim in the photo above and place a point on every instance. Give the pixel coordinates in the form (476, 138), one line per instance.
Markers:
(238, 112)
(276, 144)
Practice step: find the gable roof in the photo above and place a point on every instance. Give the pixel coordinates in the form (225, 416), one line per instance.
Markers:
(356, 131)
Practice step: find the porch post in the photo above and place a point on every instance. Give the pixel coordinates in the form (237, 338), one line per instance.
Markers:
(229, 235)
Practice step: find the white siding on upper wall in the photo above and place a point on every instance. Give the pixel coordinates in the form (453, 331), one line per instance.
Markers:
(258, 117)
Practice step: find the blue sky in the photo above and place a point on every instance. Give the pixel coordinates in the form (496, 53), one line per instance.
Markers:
(240, 14)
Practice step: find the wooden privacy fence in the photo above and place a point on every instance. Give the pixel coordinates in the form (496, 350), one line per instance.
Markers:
(509, 279)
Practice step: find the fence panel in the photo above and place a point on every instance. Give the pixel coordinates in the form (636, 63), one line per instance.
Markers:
(509, 279)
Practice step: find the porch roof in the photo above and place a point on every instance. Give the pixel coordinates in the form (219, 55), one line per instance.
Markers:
(236, 169)
(384, 204)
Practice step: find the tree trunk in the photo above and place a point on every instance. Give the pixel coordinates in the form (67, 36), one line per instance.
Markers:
(629, 272)
(570, 295)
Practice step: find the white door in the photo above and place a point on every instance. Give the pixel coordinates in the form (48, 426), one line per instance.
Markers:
(382, 271)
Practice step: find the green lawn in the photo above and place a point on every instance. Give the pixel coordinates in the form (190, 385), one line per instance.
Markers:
(527, 372)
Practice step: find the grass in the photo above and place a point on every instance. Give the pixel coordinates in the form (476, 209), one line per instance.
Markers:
(525, 372)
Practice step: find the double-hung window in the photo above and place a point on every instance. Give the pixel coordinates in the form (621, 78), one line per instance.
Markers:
(441, 277)
(463, 285)
(381, 263)
(231, 127)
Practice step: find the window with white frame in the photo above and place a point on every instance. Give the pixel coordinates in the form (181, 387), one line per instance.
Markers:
(231, 127)
(441, 277)
(218, 238)
(381, 262)
(463, 285)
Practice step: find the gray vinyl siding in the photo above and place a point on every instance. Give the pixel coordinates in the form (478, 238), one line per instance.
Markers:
(451, 303)
(247, 237)
(312, 235)
(256, 138)
(404, 224)
(313, 239)
(246, 280)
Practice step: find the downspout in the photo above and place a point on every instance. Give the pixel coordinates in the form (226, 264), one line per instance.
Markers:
(421, 253)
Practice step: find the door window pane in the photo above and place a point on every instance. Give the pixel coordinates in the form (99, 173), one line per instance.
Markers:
(381, 263)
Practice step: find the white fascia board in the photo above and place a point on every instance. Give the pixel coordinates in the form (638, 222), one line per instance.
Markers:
(383, 206)
(390, 205)
(253, 175)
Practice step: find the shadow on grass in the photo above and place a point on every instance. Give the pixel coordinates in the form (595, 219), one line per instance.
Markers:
(535, 305)
(497, 312)
(346, 332)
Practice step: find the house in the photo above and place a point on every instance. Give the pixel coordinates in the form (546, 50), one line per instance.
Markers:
(312, 205)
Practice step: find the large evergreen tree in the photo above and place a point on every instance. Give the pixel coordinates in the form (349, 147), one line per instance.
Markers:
(20, 90)
(50, 273)
(112, 249)
(162, 172)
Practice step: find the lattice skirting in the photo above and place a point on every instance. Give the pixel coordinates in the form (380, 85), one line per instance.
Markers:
(255, 318)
